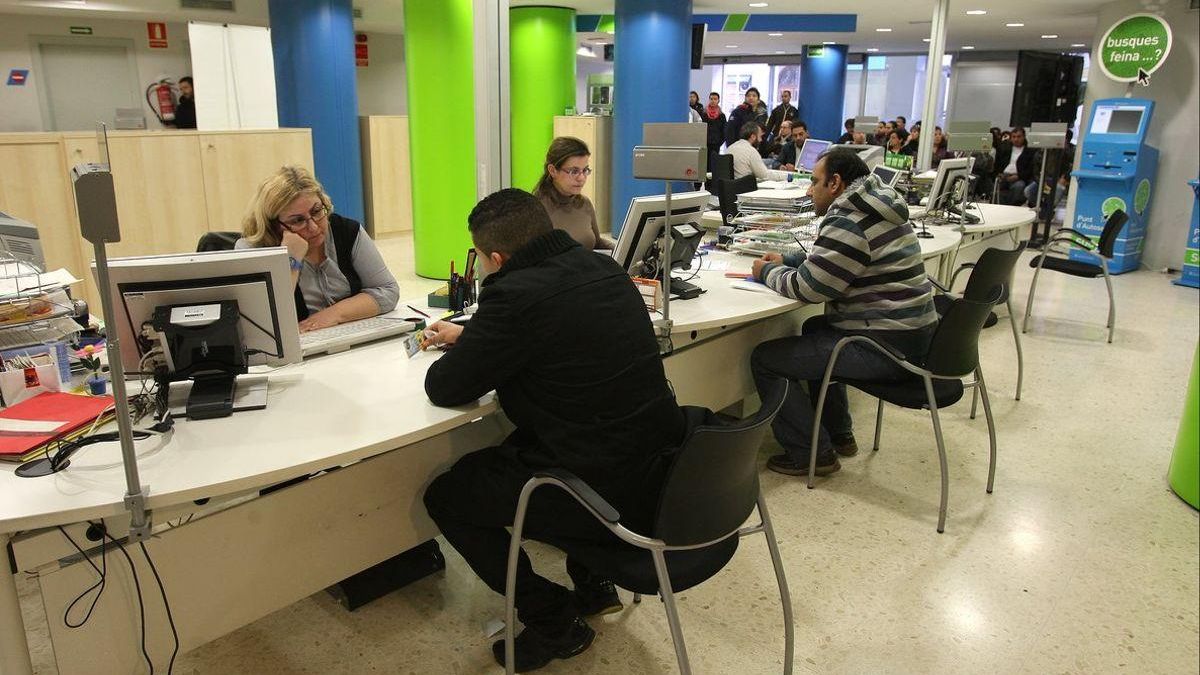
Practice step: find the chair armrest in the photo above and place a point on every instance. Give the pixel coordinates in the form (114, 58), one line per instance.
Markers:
(1073, 236)
(940, 288)
(954, 277)
(581, 491)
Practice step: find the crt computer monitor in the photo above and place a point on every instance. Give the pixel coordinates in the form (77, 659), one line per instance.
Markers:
(259, 279)
(644, 226)
(810, 152)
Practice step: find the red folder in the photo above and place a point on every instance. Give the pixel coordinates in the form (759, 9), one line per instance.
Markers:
(72, 410)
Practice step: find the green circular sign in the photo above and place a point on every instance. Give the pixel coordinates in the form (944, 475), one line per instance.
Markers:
(1134, 46)
(1141, 198)
(1111, 205)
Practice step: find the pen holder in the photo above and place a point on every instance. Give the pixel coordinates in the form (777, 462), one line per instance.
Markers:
(18, 385)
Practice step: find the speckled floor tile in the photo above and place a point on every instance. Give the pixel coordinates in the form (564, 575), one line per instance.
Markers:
(1082, 561)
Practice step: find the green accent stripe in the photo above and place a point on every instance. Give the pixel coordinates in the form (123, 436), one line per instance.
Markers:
(608, 24)
(736, 22)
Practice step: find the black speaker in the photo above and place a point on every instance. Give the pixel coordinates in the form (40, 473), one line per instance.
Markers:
(608, 52)
(1047, 88)
(698, 30)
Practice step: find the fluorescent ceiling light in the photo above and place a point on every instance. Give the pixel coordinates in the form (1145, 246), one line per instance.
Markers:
(1015, 25)
(731, 46)
(872, 49)
(1049, 37)
(1079, 44)
(758, 4)
(780, 51)
(828, 42)
(968, 47)
(883, 30)
(976, 12)
(925, 40)
(775, 34)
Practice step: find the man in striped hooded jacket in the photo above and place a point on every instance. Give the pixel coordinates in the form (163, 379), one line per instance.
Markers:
(866, 267)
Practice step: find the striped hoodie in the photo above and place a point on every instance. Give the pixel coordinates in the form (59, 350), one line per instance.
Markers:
(866, 265)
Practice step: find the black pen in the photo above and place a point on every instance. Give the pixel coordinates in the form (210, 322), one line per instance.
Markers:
(417, 311)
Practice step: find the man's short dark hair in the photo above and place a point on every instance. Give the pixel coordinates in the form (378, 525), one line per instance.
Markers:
(505, 221)
(748, 129)
(845, 163)
(799, 124)
(849, 123)
(713, 93)
(755, 90)
(902, 118)
(185, 78)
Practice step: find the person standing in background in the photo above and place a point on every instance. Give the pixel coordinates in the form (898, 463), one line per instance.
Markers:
(751, 110)
(715, 119)
(784, 112)
(694, 103)
(185, 111)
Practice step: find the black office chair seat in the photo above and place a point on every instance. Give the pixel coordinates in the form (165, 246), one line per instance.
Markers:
(632, 568)
(1073, 267)
(910, 393)
(217, 241)
(941, 303)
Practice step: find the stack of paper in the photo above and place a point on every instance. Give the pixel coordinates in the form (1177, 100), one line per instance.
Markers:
(29, 428)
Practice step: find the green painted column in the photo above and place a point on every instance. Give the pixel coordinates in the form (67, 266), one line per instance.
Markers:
(1184, 474)
(439, 62)
(541, 52)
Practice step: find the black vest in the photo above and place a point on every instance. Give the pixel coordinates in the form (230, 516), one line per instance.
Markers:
(344, 232)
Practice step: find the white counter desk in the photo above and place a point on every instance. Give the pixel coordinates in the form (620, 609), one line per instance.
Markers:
(240, 555)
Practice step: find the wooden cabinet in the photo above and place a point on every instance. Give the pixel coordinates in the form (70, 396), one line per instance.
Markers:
(172, 187)
(387, 177)
(597, 133)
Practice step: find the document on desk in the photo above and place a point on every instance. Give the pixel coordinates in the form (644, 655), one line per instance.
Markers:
(713, 265)
(754, 286)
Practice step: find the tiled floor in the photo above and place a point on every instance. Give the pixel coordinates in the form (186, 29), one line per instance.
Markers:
(1082, 561)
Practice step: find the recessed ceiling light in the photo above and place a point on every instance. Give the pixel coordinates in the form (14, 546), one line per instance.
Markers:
(828, 42)
(775, 34)
(1049, 37)
(731, 46)
(976, 12)
(883, 30)
(925, 40)
(968, 47)
(872, 49)
(780, 51)
(1015, 25)
(585, 52)
(758, 4)
(1078, 44)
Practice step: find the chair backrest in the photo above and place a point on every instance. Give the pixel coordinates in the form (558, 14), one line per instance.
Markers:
(1112, 227)
(954, 350)
(727, 192)
(217, 241)
(993, 270)
(712, 485)
(721, 166)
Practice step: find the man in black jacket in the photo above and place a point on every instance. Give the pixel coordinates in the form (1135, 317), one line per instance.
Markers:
(562, 336)
(784, 112)
(751, 110)
(1016, 165)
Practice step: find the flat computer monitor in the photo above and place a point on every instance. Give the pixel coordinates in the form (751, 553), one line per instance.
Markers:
(810, 152)
(644, 227)
(887, 175)
(871, 155)
(941, 195)
(193, 292)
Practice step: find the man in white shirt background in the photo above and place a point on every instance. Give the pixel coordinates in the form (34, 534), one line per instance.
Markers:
(746, 160)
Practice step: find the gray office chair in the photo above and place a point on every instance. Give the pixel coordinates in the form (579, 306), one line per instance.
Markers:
(935, 384)
(1103, 250)
(710, 490)
(993, 270)
(217, 241)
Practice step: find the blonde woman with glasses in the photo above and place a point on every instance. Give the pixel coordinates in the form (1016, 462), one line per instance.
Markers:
(561, 192)
(337, 272)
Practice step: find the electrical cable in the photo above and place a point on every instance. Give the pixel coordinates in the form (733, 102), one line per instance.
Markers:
(266, 332)
(137, 585)
(102, 571)
(163, 592)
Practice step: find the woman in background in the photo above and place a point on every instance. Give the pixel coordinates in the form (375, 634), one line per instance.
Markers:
(560, 190)
(337, 272)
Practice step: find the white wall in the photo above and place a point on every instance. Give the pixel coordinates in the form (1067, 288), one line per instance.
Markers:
(983, 91)
(585, 66)
(901, 76)
(382, 84)
(20, 107)
(1174, 90)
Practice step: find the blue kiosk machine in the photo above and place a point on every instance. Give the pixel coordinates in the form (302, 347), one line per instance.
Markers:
(1116, 171)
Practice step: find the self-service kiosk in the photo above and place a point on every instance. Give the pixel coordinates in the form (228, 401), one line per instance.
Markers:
(1116, 171)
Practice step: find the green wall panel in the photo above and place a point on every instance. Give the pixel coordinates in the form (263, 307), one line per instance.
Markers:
(542, 83)
(438, 39)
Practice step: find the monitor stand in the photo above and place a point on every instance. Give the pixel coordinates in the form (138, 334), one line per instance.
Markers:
(207, 398)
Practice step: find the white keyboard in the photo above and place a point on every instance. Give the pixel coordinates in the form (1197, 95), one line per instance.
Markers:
(344, 336)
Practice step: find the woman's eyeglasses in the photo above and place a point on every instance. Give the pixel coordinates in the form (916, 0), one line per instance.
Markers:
(575, 172)
(297, 223)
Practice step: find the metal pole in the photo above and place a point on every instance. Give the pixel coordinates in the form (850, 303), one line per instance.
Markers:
(933, 78)
(14, 649)
(667, 256)
(135, 498)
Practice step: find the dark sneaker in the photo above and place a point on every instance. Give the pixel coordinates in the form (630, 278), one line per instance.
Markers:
(784, 464)
(535, 648)
(597, 597)
(845, 446)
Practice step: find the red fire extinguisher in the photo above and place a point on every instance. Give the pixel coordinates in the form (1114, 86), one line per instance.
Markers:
(164, 91)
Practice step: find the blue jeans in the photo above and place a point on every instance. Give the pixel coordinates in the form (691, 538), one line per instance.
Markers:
(803, 359)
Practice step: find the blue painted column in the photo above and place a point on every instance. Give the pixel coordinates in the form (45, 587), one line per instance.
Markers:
(823, 91)
(650, 77)
(315, 87)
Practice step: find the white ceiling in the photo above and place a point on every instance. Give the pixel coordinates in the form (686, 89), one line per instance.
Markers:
(1072, 20)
